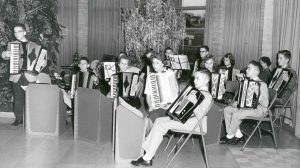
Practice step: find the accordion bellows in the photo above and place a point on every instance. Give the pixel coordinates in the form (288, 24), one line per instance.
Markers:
(277, 83)
(164, 88)
(218, 85)
(247, 98)
(124, 84)
(37, 54)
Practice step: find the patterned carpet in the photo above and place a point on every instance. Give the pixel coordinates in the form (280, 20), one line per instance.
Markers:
(267, 157)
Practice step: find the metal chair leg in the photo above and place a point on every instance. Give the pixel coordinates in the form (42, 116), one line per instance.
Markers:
(181, 146)
(169, 141)
(259, 133)
(204, 151)
(175, 145)
(248, 139)
(273, 133)
(193, 142)
(293, 115)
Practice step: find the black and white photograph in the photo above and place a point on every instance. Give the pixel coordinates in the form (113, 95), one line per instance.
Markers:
(149, 83)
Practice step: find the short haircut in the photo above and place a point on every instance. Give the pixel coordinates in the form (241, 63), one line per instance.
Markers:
(168, 48)
(126, 57)
(231, 58)
(266, 60)
(208, 57)
(257, 65)
(122, 53)
(85, 59)
(205, 72)
(20, 25)
(205, 47)
(286, 53)
(159, 56)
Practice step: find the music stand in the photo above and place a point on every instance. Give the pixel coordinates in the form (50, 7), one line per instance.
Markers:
(109, 69)
(179, 62)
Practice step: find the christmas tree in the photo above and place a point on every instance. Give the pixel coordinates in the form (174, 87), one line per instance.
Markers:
(153, 24)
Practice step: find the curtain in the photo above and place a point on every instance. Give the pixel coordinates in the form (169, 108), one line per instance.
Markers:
(243, 30)
(68, 17)
(105, 29)
(286, 35)
(214, 26)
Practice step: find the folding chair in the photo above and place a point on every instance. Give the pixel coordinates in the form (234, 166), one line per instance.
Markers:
(232, 87)
(280, 110)
(190, 133)
(266, 118)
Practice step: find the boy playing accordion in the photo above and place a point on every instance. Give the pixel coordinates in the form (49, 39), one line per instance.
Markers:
(234, 115)
(289, 80)
(163, 124)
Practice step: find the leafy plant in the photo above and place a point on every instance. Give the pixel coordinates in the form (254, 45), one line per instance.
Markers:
(39, 18)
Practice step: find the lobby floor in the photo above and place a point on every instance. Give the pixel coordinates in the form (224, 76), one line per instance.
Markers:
(18, 150)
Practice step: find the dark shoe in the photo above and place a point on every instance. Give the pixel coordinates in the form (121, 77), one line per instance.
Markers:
(141, 162)
(239, 140)
(16, 123)
(225, 140)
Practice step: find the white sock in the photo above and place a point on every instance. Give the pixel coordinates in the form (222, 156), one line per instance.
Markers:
(147, 157)
(238, 133)
(229, 136)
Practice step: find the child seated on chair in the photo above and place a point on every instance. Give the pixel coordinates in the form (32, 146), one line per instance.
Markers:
(228, 62)
(163, 124)
(283, 61)
(158, 64)
(86, 78)
(234, 116)
(265, 75)
(124, 65)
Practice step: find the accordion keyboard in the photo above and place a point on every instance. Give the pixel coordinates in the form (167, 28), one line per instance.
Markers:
(114, 87)
(15, 58)
(155, 92)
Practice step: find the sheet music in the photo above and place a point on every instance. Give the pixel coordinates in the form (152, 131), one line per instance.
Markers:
(180, 62)
(67, 98)
(24, 87)
(109, 69)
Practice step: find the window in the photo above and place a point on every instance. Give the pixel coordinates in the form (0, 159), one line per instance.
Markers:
(195, 21)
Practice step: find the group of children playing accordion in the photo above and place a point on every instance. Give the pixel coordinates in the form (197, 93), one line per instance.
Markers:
(168, 105)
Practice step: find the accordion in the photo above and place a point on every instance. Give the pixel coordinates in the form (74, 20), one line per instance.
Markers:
(78, 80)
(182, 109)
(218, 84)
(73, 85)
(124, 84)
(164, 88)
(247, 98)
(277, 83)
(35, 65)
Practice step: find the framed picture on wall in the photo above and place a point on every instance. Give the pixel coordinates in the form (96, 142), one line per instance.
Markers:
(194, 11)
(195, 24)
